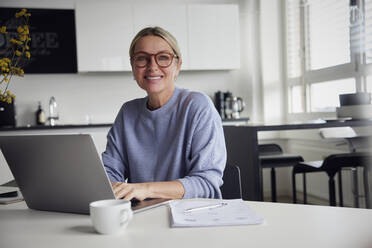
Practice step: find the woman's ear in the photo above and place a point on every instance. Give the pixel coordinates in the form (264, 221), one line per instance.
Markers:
(178, 66)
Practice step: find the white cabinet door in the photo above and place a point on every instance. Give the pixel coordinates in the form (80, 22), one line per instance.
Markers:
(213, 37)
(104, 33)
(171, 17)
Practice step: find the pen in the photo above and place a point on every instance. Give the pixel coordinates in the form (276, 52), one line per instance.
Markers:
(205, 207)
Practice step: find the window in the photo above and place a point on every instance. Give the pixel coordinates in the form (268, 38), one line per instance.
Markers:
(369, 84)
(336, 57)
(295, 99)
(368, 38)
(324, 96)
(328, 33)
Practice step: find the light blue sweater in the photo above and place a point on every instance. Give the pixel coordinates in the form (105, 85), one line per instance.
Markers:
(183, 140)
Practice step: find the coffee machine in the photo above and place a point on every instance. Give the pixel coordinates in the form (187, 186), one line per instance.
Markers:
(228, 106)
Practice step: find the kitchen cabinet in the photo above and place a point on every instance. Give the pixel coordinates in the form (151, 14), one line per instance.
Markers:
(171, 17)
(104, 32)
(208, 34)
(213, 36)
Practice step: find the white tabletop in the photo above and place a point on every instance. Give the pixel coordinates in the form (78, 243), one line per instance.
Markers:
(285, 225)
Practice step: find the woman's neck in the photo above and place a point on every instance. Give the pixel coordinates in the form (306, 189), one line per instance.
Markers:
(158, 100)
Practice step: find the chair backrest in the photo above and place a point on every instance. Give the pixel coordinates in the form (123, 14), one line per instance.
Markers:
(269, 149)
(231, 188)
(334, 162)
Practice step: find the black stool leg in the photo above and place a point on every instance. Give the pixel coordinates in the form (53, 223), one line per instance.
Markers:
(273, 185)
(294, 195)
(366, 187)
(332, 194)
(340, 188)
(305, 190)
(354, 173)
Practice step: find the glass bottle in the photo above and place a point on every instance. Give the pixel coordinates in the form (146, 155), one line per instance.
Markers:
(40, 115)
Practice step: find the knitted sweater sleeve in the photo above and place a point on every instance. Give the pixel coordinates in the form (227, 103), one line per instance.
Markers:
(113, 157)
(207, 157)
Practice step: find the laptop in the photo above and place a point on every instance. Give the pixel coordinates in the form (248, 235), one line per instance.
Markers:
(61, 173)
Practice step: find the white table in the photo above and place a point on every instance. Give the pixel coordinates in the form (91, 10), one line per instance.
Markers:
(286, 225)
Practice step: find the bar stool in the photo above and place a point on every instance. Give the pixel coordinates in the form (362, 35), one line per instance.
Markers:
(272, 156)
(355, 143)
(332, 165)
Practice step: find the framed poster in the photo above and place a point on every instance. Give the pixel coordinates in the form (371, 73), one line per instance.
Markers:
(53, 39)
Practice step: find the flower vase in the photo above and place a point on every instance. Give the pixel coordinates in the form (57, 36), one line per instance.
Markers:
(7, 114)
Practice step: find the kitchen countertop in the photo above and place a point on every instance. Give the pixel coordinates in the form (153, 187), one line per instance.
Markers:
(46, 127)
(70, 126)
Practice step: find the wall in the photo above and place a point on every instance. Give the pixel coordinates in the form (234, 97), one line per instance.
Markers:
(271, 60)
(97, 97)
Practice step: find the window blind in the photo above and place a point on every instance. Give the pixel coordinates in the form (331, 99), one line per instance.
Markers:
(368, 30)
(293, 38)
(328, 33)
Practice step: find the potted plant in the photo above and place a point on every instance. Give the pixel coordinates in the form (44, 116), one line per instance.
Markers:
(14, 53)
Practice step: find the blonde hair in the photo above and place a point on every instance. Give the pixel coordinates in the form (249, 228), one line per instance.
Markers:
(156, 31)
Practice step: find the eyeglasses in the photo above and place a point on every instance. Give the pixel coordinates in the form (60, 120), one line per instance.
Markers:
(162, 59)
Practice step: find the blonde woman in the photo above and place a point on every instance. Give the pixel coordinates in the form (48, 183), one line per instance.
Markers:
(169, 144)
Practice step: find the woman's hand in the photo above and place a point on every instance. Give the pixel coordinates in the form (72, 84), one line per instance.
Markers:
(141, 191)
(128, 191)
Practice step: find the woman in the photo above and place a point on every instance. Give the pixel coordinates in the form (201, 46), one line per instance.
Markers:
(169, 144)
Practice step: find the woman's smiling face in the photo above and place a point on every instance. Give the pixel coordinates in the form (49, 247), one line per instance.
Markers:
(153, 78)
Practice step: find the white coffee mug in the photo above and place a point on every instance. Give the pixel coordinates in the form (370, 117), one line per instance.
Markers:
(110, 216)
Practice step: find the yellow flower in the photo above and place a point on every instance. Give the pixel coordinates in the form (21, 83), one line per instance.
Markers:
(18, 71)
(22, 37)
(20, 13)
(27, 47)
(3, 30)
(20, 29)
(26, 29)
(14, 41)
(28, 55)
(18, 53)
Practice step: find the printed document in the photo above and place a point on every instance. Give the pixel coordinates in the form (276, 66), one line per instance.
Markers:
(203, 212)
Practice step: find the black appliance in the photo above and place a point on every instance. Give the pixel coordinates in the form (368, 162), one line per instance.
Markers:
(219, 101)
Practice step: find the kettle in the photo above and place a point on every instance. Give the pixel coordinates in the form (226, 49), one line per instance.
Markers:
(233, 106)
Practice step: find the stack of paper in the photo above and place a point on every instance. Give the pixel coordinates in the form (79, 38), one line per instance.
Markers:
(193, 213)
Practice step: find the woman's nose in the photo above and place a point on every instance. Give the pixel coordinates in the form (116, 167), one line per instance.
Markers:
(152, 63)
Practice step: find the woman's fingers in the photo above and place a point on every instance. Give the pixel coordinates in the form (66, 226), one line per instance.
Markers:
(123, 192)
(128, 191)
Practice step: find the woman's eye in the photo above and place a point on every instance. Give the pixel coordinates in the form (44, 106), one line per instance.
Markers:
(163, 57)
(141, 58)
